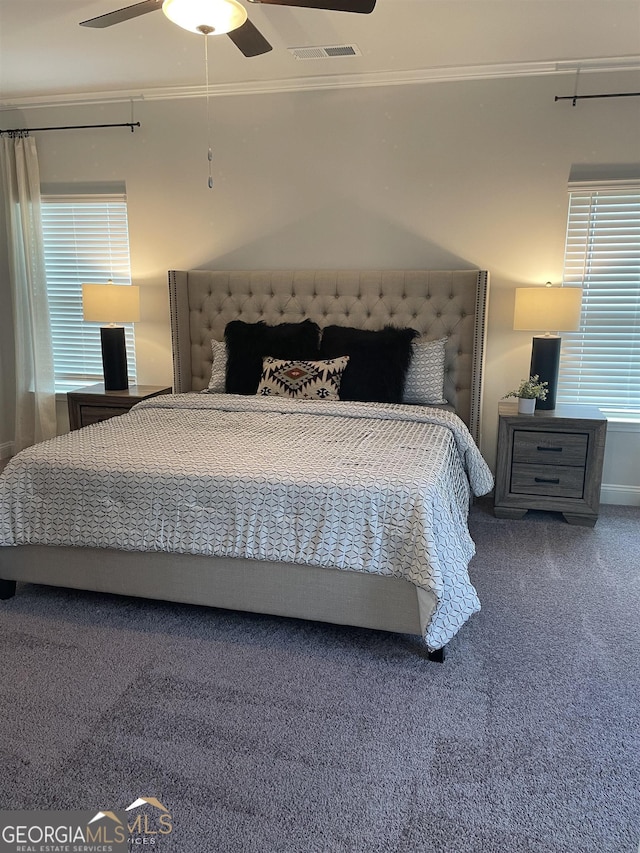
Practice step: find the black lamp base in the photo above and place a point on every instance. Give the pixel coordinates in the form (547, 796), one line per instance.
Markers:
(545, 362)
(114, 358)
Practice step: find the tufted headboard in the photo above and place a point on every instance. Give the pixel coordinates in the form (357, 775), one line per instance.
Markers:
(449, 303)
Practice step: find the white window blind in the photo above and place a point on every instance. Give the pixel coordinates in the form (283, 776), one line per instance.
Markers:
(86, 239)
(600, 363)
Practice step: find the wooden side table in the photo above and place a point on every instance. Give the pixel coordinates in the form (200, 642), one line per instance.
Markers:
(93, 404)
(551, 460)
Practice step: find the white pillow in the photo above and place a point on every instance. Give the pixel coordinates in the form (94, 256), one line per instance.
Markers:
(218, 368)
(424, 384)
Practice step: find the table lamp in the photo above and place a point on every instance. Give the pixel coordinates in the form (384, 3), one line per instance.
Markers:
(541, 308)
(112, 303)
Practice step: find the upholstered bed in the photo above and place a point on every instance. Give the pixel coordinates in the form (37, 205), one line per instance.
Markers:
(449, 304)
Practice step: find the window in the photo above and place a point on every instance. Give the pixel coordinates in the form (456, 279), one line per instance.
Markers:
(86, 239)
(600, 363)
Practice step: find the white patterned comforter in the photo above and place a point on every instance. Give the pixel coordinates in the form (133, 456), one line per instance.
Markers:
(357, 486)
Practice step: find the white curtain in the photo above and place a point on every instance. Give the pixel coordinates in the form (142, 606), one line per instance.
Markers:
(34, 371)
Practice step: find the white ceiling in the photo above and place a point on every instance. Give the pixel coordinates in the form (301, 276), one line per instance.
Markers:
(45, 57)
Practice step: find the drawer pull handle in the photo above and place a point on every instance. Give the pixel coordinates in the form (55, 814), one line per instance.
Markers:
(550, 449)
(547, 480)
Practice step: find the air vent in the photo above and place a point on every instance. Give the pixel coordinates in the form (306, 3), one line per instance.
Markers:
(329, 52)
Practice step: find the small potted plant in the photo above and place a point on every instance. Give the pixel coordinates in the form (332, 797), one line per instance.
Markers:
(528, 392)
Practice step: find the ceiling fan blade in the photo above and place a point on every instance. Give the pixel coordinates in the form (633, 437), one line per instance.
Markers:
(249, 40)
(125, 14)
(364, 7)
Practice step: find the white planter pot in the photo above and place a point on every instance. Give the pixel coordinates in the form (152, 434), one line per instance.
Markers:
(525, 406)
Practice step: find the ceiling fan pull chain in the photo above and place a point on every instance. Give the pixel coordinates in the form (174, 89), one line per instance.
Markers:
(206, 65)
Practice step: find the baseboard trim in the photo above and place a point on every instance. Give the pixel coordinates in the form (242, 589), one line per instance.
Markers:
(621, 495)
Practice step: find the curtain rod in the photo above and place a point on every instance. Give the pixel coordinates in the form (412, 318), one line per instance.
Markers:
(131, 124)
(575, 98)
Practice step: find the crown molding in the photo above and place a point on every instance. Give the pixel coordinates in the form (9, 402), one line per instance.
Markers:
(443, 74)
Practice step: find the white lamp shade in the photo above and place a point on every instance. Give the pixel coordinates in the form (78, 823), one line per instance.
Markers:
(544, 309)
(111, 303)
(211, 17)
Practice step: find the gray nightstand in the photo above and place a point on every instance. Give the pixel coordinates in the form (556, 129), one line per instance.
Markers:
(551, 460)
(93, 404)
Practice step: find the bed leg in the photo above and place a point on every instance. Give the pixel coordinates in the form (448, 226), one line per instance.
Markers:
(7, 589)
(437, 655)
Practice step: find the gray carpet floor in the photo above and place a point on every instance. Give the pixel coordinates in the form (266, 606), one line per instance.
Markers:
(281, 736)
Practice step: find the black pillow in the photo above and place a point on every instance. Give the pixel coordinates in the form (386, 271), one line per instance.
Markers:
(248, 343)
(378, 361)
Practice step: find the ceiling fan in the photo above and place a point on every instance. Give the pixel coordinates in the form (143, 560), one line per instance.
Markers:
(223, 16)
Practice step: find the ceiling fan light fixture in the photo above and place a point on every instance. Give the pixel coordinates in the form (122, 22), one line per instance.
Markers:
(211, 17)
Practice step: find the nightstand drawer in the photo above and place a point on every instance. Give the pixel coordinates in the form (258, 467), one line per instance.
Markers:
(95, 414)
(561, 481)
(550, 448)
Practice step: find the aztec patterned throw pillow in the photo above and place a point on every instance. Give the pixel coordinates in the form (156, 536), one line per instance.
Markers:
(311, 380)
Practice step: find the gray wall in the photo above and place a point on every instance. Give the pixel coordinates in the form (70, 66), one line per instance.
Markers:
(446, 175)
